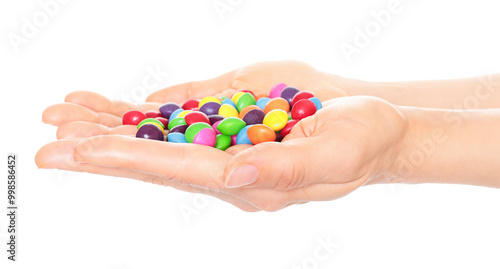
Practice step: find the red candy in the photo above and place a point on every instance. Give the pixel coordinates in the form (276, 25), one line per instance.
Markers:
(153, 114)
(303, 108)
(288, 127)
(133, 117)
(190, 104)
(301, 95)
(196, 116)
(163, 120)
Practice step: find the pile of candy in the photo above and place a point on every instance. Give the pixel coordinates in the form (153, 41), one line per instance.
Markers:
(223, 122)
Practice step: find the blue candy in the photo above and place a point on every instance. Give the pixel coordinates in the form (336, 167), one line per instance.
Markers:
(175, 113)
(317, 102)
(242, 137)
(229, 102)
(176, 138)
(262, 102)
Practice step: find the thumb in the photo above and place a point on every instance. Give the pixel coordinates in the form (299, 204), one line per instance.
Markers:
(282, 166)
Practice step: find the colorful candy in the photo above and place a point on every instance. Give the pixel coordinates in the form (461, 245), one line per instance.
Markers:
(222, 122)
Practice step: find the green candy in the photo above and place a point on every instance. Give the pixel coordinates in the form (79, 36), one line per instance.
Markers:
(176, 122)
(245, 100)
(290, 117)
(193, 130)
(222, 142)
(231, 126)
(150, 120)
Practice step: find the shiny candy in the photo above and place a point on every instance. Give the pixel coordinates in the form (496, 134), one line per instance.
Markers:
(151, 121)
(242, 137)
(276, 90)
(194, 129)
(254, 116)
(176, 122)
(179, 129)
(261, 133)
(133, 117)
(301, 95)
(208, 99)
(236, 96)
(196, 116)
(162, 120)
(231, 126)
(276, 119)
(150, 131)
(214, 126)
(262, 102)
(176, 138)
(182, 114)
(210, 108)
(288, 93)
(277, 103)
(152, 114)
(190, 104)
(245, 110)
(205, 137)
(167, 109)
(227, 111)
(215, 118)
(317, 102)
(175, 114)
(303, 108)
(228, 101)
(288, 127)
(222, 142)
(247, 99)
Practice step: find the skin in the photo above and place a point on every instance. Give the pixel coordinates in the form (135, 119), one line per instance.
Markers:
(351, 142)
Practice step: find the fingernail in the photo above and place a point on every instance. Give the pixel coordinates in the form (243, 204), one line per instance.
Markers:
(242, 175)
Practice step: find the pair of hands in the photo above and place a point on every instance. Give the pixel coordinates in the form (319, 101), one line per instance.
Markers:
(351, 142)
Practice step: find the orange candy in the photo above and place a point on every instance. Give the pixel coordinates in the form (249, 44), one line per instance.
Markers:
(260, 133)
(262, 95)
(277, 103)
(245, 110)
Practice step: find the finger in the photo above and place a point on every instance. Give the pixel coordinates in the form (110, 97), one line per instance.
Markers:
(193, 90)
(100, 103)
(89, 129)
(66, 112)
(59, 155)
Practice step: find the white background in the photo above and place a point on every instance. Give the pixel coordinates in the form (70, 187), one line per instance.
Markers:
(76, 220)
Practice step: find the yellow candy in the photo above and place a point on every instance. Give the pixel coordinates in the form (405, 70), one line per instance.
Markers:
(236, 97)
(208, 99)
(227, 110)
(183, 114)
(276, 119)
(159, 126)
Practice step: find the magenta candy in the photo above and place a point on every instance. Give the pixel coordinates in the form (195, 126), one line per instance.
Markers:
(233, 140)
(215, 127)
(205, 137)
(276, 90)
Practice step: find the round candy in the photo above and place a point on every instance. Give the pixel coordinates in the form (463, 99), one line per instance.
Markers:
(228, 102)
(302, 95)
(279, 137)
(288, 93)
(214, 126)
(175, 114)
(222, 142)
(303, 108)
(190, 104)
(167, 109)
(245, 100)
(233, 139)
(196, 116)
(150, 131)
(288, 127)
(261, 133)
(182, 114)
(151, 121)
(162, 120)
(231, 126)
(194, 129)
(133, 117)
(208, 99)
(254, 116)
(236, 96)
(262, 102)
(245, 110)
(260, 96)
(210, 108)
(205, 137)
(175, 122)
(276, 90)
(152, 114)
(227, 111)
(242, 137)
(317, 102)
(215, 118)
(277, 103)
(179, 129)
(176, 138)
(276, 119)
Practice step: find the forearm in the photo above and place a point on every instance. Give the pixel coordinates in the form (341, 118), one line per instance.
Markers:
(470, 93)
(450, 146)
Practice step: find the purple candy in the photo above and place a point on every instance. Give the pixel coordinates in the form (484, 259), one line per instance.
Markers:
(150, 131)
(279, 137)
(210, 108)
(179, 129)
(254, 116)
(288, 93)
(167, 109)
(215, 118)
